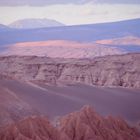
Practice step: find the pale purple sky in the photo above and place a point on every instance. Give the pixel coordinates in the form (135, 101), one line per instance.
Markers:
(46, 2)
(70, 11)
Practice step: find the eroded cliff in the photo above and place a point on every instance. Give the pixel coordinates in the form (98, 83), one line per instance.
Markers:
(118, 70)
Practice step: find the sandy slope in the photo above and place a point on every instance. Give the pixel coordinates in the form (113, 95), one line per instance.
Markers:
(58, 101)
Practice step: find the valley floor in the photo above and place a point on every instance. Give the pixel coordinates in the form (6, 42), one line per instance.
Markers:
(58, 101)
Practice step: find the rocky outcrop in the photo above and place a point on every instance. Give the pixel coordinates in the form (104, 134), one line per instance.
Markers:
(33, 128)
(83, 125)
(117, 70)
(88, 125)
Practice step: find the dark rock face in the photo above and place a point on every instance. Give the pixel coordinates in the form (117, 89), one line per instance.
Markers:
(119, 70)
(83, 125)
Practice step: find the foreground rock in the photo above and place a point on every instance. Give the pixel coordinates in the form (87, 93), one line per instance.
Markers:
(119, 70)
(83, 125)
(37, 128)
(87, 125)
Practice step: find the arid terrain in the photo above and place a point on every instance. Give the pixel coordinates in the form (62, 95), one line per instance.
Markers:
(41, 98)
(83, 125)
(69, 69)
(61, 49)
(71, 82)
(115, 70)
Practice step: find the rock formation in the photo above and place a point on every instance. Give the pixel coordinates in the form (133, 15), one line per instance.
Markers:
(88, 125)
(32, 128)
(83, 125)
(118, 70)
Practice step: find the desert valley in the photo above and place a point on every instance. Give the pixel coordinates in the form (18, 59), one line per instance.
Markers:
(69, 82)
(37, 89)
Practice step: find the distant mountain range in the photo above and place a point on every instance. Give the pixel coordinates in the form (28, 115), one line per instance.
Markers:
(82, 33)
(3, 27)
(79, 41)
(34, 23)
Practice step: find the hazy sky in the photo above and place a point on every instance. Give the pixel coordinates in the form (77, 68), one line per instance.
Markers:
(69, 11)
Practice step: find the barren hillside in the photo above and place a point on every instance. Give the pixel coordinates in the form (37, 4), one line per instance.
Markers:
(117, 70)
(83, 125)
